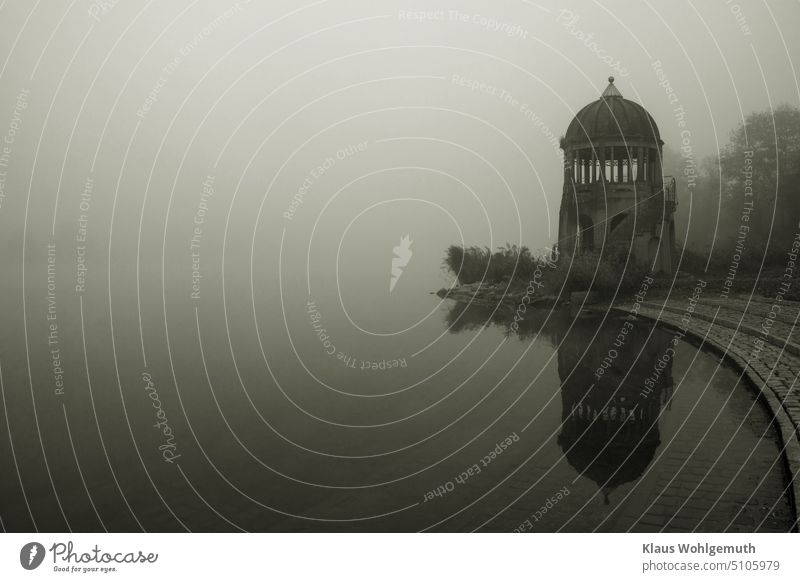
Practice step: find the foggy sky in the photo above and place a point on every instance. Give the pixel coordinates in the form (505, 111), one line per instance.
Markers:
(160, 92)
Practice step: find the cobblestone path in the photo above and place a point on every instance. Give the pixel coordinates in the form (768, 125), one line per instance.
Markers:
(761, 338)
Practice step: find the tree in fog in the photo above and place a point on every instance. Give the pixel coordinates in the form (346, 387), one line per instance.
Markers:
(769, 142)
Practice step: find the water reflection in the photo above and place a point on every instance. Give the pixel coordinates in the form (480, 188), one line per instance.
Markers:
(613, 388)
(542, 323)
(616, 378)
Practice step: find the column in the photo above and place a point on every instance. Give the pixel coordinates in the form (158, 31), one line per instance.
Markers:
(611, 166)
(640, 163)
(586, 162)
(602, 151)
(574, 157)
(659, 169)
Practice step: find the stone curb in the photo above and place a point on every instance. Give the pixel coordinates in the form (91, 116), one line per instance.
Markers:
(788, 346)
(786, 426)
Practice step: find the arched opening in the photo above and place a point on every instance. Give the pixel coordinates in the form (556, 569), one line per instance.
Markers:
(653, 248)
(586, 230)
(616, 221)
(568, 231)
(671, 241)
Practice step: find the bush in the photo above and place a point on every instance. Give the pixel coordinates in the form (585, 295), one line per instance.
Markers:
(508, 264)
(515, 266)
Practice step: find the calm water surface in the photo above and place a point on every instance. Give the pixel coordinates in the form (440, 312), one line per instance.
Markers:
(303, 412)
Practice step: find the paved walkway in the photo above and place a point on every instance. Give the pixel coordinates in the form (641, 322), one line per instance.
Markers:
(734, 327)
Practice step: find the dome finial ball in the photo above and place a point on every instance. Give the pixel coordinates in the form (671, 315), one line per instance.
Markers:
(611, 79)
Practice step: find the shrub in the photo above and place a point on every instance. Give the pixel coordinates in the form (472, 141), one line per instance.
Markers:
(508, 264)
(516, 266)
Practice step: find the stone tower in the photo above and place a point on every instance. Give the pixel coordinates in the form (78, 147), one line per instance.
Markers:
(615, 197)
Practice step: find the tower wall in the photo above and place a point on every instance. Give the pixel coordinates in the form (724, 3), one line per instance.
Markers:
(613, 198)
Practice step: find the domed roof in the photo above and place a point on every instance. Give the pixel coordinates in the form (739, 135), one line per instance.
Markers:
(612, 117)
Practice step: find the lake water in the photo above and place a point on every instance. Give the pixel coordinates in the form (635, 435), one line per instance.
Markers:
(350, 408)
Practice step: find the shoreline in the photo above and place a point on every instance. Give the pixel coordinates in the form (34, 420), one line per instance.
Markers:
(733, 342)
(732, 328)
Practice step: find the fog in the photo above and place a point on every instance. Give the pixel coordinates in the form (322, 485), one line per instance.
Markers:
(179, 180)
(459, 107)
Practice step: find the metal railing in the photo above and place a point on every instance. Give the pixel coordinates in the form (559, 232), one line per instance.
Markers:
(669, 190)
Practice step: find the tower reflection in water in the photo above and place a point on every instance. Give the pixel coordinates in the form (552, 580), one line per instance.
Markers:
(614, 386)
(616, 379)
